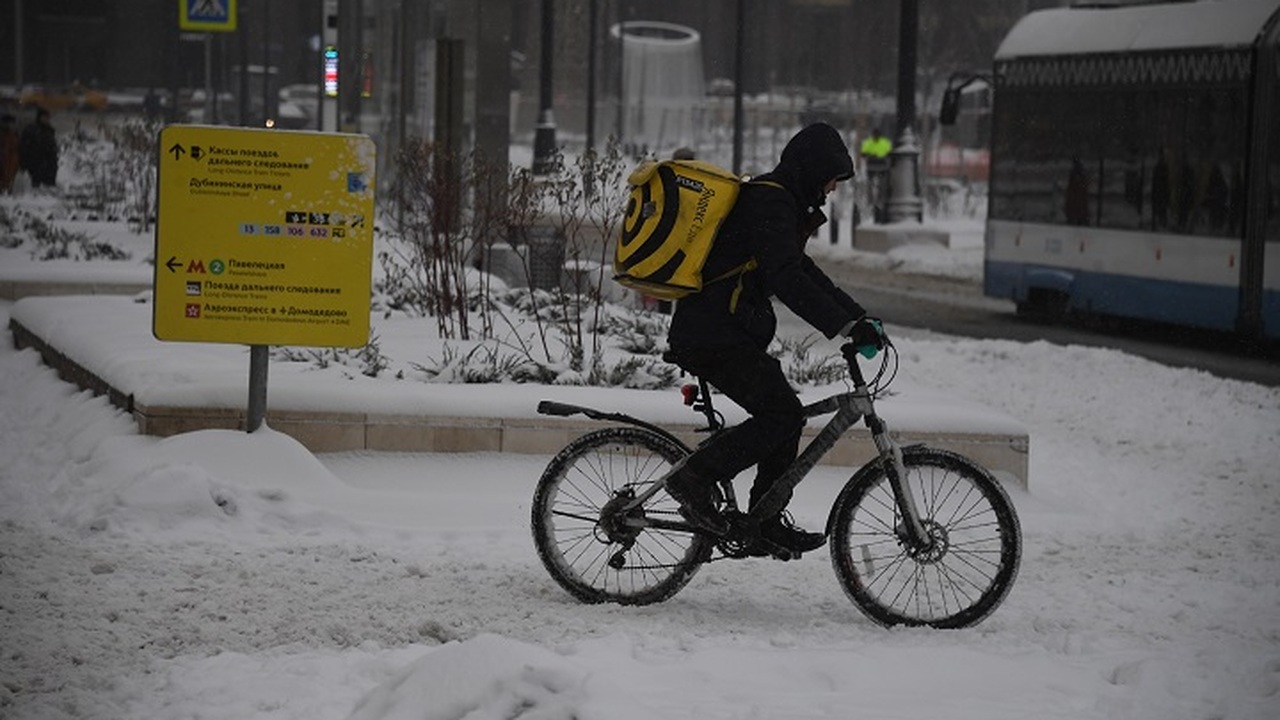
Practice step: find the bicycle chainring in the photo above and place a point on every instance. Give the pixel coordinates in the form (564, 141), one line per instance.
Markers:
(743, 533)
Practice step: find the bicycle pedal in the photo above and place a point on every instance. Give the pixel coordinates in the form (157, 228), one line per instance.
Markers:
(762, 548)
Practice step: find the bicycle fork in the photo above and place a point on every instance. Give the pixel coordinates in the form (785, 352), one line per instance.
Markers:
(914, 531)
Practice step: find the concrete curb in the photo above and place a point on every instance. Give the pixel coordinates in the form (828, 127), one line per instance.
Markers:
(329, 431)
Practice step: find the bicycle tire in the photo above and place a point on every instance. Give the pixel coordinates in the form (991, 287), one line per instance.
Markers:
(576, 551)
(974, 561)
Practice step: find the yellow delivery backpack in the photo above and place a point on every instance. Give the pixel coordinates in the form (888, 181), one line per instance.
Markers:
(673, 212)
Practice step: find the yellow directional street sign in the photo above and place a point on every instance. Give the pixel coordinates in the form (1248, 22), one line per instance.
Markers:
(207, 15)
(264, 237)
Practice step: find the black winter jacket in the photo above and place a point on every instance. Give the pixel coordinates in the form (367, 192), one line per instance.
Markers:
(771, 224)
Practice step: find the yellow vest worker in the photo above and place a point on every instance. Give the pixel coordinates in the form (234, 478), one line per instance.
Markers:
(876, 148)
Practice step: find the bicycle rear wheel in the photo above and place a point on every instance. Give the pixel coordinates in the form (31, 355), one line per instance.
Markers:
(969, 567)
(592, 549)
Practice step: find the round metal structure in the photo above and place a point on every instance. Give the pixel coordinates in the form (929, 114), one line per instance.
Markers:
(662, 83)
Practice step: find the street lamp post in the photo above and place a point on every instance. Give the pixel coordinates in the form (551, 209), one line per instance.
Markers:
(904, 161)
(544, 137)
(593, 23)
(739, 41)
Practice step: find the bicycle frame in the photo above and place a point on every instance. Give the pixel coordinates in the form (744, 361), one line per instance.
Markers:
(848, 409)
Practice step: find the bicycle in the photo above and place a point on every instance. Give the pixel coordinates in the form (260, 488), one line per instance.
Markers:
(917, 536)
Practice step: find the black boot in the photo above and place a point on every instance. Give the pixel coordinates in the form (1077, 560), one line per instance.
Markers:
(693, 492)
(779, 533)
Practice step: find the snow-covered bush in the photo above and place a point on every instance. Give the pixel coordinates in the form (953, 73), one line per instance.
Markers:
(49, 241)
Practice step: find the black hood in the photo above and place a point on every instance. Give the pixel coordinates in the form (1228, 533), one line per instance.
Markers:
(811, 159)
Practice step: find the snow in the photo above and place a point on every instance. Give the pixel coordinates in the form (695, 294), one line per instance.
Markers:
(220, 574)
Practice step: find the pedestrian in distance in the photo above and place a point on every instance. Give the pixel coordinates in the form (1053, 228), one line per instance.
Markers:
(151, 105)
(721, 333)
(39, 150)
(874, 151)
(10, 160)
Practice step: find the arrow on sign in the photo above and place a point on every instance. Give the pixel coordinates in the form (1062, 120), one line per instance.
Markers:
(177, 151)
(173, 264)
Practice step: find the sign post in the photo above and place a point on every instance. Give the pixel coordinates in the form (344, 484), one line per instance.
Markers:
(264, 237)
(329, 83)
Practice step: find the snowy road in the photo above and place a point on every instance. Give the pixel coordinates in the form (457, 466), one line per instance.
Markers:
(956, 306)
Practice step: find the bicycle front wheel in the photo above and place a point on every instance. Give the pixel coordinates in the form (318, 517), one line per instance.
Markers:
(595, 550)
(973, 557)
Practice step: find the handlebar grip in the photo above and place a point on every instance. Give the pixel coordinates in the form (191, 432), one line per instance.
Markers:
(870, 345)
(866, 351)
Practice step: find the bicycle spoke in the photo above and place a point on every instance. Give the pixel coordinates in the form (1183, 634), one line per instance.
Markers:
(574, 516)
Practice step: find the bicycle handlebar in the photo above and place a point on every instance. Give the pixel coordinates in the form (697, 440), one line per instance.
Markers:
(850, 351)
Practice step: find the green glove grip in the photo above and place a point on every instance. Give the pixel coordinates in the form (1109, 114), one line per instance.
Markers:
(869, 351)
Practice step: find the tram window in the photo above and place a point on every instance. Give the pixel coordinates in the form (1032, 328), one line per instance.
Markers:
(1168, 159)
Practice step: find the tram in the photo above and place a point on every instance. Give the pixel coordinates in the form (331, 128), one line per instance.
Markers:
(1135, 165)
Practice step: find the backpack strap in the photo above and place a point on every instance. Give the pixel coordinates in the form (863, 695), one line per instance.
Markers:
(742, 271)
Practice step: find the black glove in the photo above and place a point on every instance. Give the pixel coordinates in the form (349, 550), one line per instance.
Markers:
(867, 335)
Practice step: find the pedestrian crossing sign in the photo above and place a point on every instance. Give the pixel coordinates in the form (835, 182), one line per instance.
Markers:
(207, 15)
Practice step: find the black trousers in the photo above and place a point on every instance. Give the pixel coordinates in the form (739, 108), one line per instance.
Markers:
(770, 438)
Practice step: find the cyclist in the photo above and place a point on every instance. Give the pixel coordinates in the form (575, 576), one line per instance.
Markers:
(721, 333)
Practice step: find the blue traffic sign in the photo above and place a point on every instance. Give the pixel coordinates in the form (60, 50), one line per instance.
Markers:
(207, 15)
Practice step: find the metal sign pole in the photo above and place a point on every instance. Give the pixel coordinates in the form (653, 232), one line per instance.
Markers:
(257, 413)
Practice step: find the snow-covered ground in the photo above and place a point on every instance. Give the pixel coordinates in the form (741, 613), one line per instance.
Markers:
(225, 575)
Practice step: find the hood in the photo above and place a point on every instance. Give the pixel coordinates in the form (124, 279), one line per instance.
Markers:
(816, 155)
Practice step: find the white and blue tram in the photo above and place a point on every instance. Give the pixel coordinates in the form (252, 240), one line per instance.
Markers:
(1135, 165)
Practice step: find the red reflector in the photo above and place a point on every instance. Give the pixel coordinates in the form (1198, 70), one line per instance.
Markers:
(689, 393)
